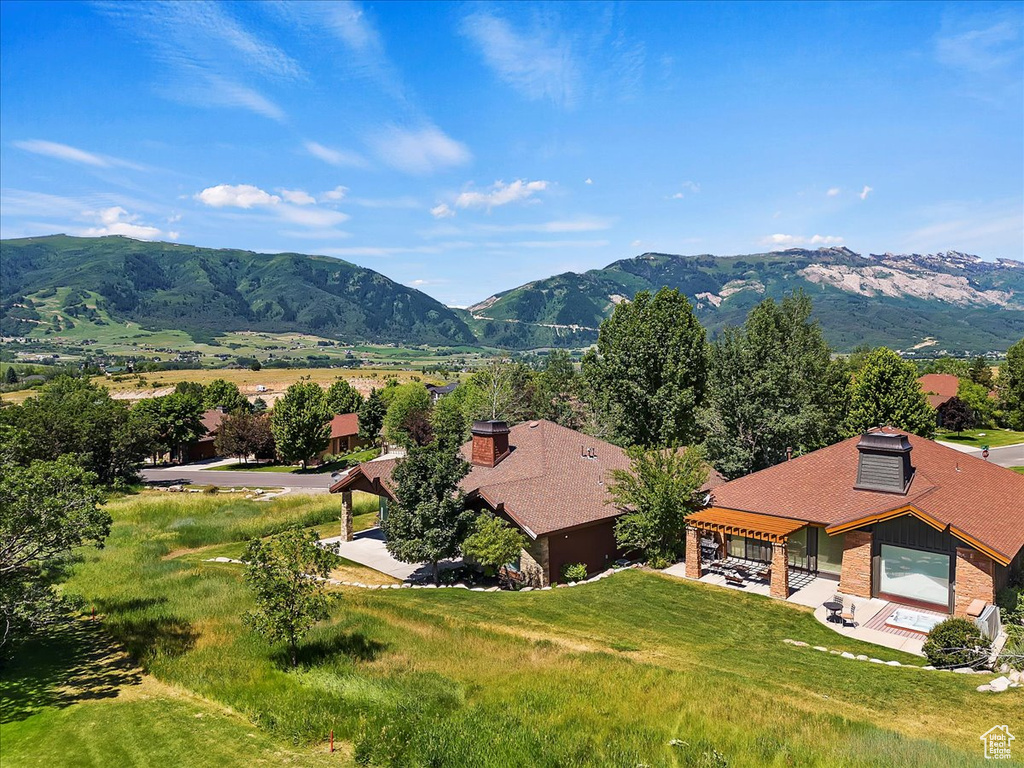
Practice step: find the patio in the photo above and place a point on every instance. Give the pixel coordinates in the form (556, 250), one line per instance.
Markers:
(367, 548)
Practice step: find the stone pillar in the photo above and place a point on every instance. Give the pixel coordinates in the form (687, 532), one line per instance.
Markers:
(346, 515)
(535, 562)
(693, 564)
(975, 573)
(855, 577)
(780, 570)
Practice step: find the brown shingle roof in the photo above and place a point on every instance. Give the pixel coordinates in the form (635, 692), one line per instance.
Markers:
(939, 387)
(211, 420)
(544, 483)
(982, 500)
(345, 425)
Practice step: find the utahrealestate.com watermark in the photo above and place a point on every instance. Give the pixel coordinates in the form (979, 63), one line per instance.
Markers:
(997, 742)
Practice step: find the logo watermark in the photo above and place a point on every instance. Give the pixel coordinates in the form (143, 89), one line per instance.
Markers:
(997, 742)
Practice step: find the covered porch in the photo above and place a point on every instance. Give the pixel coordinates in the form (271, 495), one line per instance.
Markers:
(760, 564)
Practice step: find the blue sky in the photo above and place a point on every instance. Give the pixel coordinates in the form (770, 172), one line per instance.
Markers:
(469, 148)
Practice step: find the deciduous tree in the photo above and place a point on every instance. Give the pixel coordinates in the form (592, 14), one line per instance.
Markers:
(47, 510)
(957, 415)
(371, 416)
(886, 392)
(342, 397)
(975, 397)
(428, 520)
(284, 573)
(648, 376)
(1011, 386)
(244, 434)
(981, 372)
(223, 394)
(773, 386)
(301, 422)
(407, 421)
(661, 487)
(493, 542)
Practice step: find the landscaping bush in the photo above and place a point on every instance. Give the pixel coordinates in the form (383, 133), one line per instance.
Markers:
(956, 643)
(574, 572)
(1011, 605)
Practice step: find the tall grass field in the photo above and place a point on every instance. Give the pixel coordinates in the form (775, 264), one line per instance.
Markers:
(637, 669)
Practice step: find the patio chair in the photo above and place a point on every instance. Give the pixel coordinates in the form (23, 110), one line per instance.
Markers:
(735, 580)
(848, 615)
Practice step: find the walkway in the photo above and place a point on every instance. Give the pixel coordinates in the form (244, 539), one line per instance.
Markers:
(367, 548)
(812, 592)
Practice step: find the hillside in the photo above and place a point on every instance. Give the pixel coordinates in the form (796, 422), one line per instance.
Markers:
(205, 291)
(947, 301)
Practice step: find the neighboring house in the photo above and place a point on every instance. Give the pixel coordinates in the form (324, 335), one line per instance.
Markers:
(437, 392)
(548, 481)
(939, 387)
(345, 434)
(203, 448)
(888, 514)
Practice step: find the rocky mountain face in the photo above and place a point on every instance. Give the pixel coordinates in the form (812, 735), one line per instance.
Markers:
(951, 301)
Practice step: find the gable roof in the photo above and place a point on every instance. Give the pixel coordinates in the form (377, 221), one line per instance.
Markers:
(211, 421)
(981, 503)
(939, 387)
(345, 425)
(545, 483)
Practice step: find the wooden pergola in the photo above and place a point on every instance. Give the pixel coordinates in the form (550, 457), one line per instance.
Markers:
(735, 522)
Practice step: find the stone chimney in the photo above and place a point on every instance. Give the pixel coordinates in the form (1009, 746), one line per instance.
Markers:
(884, 463)
(490, 443)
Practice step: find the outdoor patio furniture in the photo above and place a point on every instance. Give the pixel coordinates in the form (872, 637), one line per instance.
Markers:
(833, 607)
(847, 616)
(734, 580)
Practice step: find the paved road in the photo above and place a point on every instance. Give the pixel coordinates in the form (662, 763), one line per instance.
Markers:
(1007, 456)
(191, 475)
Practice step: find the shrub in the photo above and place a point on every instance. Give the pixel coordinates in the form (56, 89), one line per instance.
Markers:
(211, 489)
(956, 643)
(1011, 605)
(574, 571)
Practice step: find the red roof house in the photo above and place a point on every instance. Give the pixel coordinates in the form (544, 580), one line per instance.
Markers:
(546, 479)
(939, 387)
(890, 514)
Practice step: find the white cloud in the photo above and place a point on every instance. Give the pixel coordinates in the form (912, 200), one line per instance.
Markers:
(863, 194)
(339, 157)
(540, 63)
(316, 218)
(442, 211)
(405, 201)
(500, 194)
(833, 191)
(334, 195)
(117, 221)
(236, 196)
(677, 196)
(688, 187)
(419, 151)
(978, 44)
(588, 180)
(585, 224)
(792, 241)
(74, 154)
(297, 196)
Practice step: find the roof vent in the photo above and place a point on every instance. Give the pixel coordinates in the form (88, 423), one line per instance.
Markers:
(884, 463)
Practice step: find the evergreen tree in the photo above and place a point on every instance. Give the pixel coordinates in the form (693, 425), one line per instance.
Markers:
(10, 375)
(342, 397)
(774, 386)
(301, 422)
(648, 376)
(981, 372)
(886, 393)
(428, 520)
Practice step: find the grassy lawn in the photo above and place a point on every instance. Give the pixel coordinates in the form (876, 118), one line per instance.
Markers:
(1018, 470)
(605, 674)
(993, 438)
(347, 461)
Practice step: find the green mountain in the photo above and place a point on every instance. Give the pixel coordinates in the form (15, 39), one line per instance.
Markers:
(950, 301)
(204, 291)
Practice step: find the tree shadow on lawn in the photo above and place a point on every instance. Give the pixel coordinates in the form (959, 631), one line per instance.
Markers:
(69, 662)
(145, 636)
(314, 652)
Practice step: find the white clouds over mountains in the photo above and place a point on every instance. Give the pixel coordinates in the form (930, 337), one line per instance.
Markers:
(294, 206)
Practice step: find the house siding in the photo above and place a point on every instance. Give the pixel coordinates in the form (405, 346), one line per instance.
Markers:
(593, 545)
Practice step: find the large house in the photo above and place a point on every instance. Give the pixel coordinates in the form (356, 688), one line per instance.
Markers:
(939, 388)
(887, 514)
(203, 447)
(548, 481)
(344, 434)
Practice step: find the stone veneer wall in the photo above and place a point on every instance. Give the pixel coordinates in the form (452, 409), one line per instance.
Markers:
(975, 579)
(855, 578)
(692, 567)
(534, 562)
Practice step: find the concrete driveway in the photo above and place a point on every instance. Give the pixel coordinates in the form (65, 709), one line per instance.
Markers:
(367, 548)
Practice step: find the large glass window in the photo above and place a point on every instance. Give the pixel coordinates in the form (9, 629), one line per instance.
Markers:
(914, 574)
(737, 546)
(797, 547)
(830, 552)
